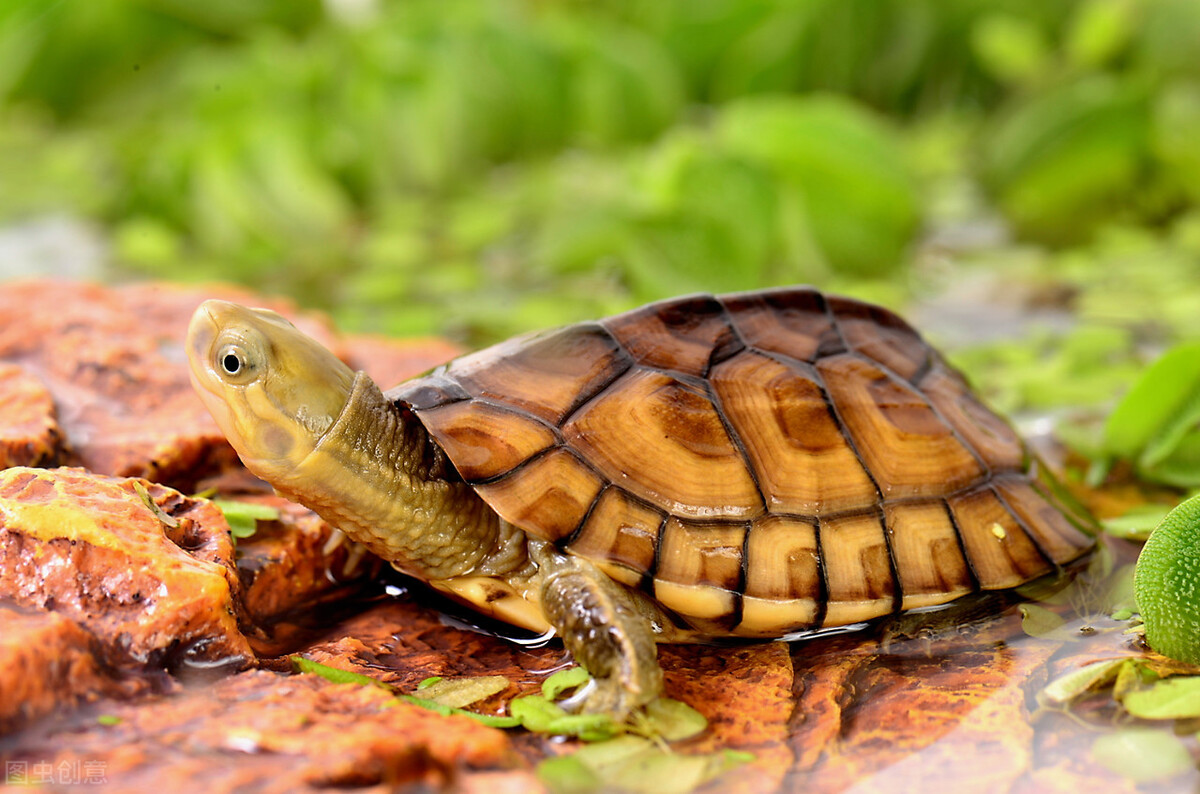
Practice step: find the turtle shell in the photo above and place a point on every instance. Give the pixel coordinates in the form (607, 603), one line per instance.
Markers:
(761, 463)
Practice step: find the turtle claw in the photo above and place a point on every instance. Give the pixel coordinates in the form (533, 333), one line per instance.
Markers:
(578, 702)
(606, 696)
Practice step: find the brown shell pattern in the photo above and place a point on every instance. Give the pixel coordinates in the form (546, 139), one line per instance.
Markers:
(761, 463)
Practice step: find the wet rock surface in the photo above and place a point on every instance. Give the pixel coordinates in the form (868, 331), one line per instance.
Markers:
(266, 732)
(29, 430)
(142, 648)
(156, 586)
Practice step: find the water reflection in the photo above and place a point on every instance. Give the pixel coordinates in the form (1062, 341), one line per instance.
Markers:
(958, 705)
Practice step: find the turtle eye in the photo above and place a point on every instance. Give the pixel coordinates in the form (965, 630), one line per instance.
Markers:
(232, 362)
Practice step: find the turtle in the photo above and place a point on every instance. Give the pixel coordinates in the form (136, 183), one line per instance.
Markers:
(751, 465)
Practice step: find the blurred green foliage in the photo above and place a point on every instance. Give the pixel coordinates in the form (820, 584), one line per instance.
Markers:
(480, 167)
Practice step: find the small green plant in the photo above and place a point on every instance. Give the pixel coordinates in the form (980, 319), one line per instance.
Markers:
(1167, 584)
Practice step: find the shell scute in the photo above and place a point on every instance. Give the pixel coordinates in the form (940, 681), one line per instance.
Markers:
(796, 447)
(553, 492)
(992, 439)
(699, 568)
(906, 446)
(881, 336)
(1058, 537)
(793, 323)
(858, 568)
(928, 553)
(784, 585)
(547, 375)
(620, 532)
(1001, 552)
(664, 440)
(479, 453)
(682, 336)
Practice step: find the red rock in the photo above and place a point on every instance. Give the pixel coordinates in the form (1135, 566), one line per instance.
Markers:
(49, 663)
(259, 731)
(89, 548)
(390, 361)
(29, 431)
(296, 561)
(745, 692)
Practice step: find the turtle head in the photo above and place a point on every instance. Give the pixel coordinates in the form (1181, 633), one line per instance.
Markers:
(273, 390)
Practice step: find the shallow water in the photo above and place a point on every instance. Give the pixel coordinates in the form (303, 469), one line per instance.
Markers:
(962, 707)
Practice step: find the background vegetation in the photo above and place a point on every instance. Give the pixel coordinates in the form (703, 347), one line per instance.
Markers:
(481, 167)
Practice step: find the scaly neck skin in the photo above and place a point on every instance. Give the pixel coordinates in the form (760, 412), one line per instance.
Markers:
(370, 476)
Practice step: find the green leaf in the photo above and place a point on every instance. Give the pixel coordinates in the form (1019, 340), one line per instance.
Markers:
(459, 692)
(1136, 523)
(1158, 410)
(491, 720)
(561, 681)
(1142, 754)
(1098, 30)
(843, 165)
(243, 517)
(1038, 621)
(540, 715)
(671, 720)
(1012, 48)
(335, 674)
(1168, 699)
(108, 719)
(1063, 157)
(1077, 683)
(167, 520)
(635, 764)
(566, 774)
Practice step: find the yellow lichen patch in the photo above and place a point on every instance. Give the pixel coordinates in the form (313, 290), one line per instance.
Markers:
(87, 546)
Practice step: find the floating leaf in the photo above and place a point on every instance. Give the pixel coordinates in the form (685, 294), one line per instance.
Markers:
(1136, 523)
(559, 682)
(1077, 683)
(1168, 699)
(459, 692)
(1142, 754)
(1132, 677)
(540, 715)
(1038, 621)
(635, 764)
(566, 774)
(491, 720)
(671, 720)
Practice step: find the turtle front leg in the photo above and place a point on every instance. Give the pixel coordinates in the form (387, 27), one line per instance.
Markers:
(608, 630)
